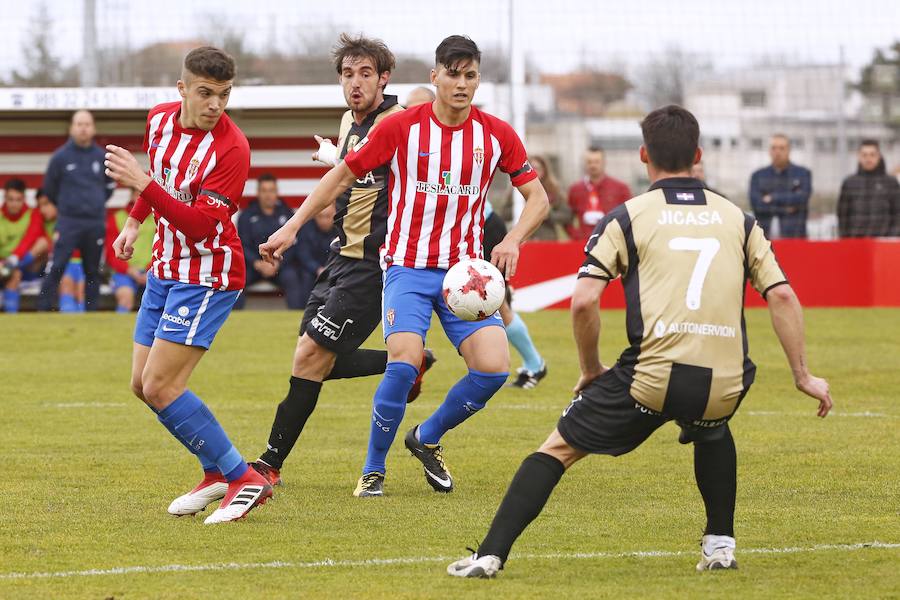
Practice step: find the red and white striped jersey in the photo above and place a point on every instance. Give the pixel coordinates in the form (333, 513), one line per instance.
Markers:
(206, 170)
(439, 179)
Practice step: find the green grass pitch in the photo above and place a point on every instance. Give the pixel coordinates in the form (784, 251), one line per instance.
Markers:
(89, 474)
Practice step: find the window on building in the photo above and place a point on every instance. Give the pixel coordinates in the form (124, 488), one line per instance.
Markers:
(756, 143)
(753, 99)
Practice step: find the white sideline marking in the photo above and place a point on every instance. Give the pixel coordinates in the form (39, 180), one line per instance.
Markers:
(278, 564)
(864, 414)
(86, 404)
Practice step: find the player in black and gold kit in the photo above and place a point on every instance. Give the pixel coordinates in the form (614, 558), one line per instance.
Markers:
(684, 254)
(344, 307)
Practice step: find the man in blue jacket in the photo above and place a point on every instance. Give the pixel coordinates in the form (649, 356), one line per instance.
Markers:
(257, 222)
(77, 184)
(781, 190)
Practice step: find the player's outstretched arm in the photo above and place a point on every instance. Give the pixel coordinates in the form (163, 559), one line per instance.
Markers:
(325, 193)
(586, 327)
(787, 320)
(505, 255)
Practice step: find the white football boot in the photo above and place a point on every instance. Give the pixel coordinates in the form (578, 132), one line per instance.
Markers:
(211, 489)
(717, 552)
(483, 567)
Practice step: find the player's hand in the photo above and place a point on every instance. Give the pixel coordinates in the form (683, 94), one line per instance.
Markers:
(123, 168)
(505, 256)
(273, 249)
(587, 378)
(327, 152)
(123, 245)
(817, 388)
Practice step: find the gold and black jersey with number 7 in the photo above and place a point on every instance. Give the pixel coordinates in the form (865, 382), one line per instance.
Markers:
(684, 254)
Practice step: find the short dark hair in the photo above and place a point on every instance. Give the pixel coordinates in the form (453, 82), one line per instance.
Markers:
(363, 47)
(671, 135)
(207, 61)
(15, 184)
(870, 142)
(456, 49)
(595, 148)
(266, 177)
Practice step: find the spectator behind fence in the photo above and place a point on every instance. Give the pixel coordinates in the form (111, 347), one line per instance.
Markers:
(869, 204)
(128, 277)
(595, 195)
(256, 223)
(781, 190)
(76, 182)
(560, 215)
(308, 257)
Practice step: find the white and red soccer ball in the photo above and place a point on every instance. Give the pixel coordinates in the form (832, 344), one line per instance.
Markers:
(473, 289)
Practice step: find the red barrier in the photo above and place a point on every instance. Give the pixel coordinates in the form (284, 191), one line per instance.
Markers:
(857, 272)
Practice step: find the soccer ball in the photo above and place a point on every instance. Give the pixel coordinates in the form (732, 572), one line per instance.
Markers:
(473, 289)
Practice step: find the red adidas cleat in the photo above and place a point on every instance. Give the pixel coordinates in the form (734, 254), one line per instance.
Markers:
(213, 487)
(272, 475)
(428, 359)
(244, 494)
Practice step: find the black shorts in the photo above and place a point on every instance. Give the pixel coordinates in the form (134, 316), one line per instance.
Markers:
(494, 232)
(605, 419)
(344, 307)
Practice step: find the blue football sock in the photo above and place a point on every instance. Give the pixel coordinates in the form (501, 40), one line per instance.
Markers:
(464, 399)
(517, 332)
(67, 303)
(204, 463)
(389, 404)
(11, 301)
(196, 425)
(122, 309)
(79, 307)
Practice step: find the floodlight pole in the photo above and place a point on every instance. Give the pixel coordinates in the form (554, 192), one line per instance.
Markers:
(89, 70)
(517, 93)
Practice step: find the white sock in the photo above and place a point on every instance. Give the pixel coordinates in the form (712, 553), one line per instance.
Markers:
(712, 542)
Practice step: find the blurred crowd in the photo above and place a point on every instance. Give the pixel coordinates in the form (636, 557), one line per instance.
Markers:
(59, 250)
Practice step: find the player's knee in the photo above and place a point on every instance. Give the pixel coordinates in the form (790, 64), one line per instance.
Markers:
(137, 388)
(311, 360)
(488, 383)
(158, 392)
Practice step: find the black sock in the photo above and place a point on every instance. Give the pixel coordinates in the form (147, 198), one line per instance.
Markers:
(715, 467)
(359, 363)
(290, 418)
(525, 498)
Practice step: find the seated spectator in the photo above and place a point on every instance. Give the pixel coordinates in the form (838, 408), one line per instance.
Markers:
(595, 195)
(129, 277)
(15, 217)
(256, 223)
(308, 257)
(781, 190)
(869, 204)
(560, 215)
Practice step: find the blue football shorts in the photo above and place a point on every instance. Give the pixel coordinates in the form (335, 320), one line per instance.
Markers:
(409, 297)
(122, 280)
(75, 271)
(182, 313)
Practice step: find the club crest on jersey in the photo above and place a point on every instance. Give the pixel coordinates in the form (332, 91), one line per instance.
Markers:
(352, 141)
(389, 315)
(193, 168)
(478, 155)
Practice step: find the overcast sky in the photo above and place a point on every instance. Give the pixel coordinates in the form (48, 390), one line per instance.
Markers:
(558, 35)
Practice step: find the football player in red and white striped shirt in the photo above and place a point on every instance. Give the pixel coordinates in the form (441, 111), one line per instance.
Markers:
(199, 162)
(442, 159)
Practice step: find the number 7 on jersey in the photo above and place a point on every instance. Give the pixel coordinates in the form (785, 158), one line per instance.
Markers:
(707, 247)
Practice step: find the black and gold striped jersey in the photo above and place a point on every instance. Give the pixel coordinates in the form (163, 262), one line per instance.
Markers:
(361, 211)
(684, 254)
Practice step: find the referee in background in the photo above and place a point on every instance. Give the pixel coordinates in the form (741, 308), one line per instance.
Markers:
(76, 183)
